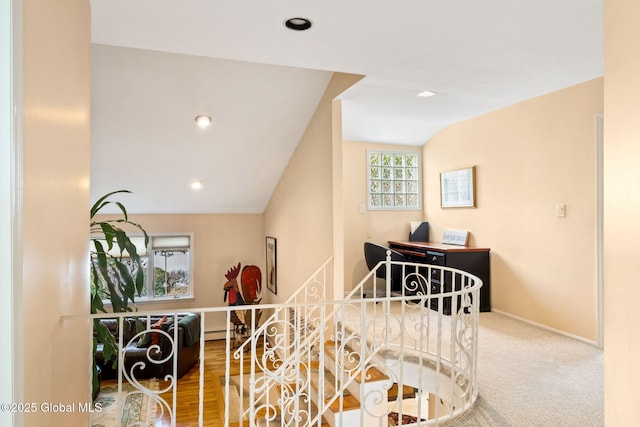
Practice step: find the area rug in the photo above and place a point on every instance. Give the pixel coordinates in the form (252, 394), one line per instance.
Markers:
(138, 409)
(406, 419)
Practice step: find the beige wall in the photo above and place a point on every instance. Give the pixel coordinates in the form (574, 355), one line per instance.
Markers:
(220, 241)
(530, 157)
(527, 146)
(300, 212)
(622, 210)
(56, 137)
(372, 225)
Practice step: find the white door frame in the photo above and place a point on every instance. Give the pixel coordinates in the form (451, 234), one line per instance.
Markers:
(11, 333)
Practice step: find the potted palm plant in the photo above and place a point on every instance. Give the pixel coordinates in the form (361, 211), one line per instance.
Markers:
(117, 275)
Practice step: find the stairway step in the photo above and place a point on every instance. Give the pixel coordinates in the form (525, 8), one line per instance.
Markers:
(261, 421)
(372, 373)
(329, 380)
(349, 403)
(407, 392)
(314, 407)
(329, 389)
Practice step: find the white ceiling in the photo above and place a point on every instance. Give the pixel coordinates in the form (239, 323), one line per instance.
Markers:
(158, 63)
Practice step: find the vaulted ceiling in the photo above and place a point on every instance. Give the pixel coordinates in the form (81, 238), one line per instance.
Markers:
(159, 63)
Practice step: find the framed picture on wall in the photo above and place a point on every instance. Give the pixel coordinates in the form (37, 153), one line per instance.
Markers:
(272, 265)
(458, 188)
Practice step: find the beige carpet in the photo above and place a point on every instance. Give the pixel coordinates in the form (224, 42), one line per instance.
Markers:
(529, 377)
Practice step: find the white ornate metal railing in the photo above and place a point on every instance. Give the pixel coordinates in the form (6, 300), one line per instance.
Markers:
(406, 356)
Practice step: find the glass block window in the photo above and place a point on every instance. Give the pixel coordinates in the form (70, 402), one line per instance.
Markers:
(393, 179)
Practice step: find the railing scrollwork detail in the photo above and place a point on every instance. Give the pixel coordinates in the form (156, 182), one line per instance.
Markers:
(358, 361)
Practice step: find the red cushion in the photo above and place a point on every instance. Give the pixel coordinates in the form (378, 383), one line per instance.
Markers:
(155, 337)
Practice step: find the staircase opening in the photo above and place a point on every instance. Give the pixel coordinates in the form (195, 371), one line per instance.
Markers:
(390, 359)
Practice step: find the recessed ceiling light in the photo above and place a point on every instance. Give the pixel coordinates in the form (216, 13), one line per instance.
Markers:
(426, 93)
(298, 24)
(196, 185)
(203, 120)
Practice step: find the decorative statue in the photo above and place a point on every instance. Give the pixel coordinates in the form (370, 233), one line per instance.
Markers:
(251, 281)
(232, 291)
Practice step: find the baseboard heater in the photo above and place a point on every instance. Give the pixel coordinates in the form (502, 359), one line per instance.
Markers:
(218, 334)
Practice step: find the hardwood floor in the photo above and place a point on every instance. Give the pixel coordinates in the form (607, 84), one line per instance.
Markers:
(187, 411)
(187, 401)
(188, 387)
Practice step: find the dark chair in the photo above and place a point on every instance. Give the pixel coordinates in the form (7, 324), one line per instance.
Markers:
(374, 253)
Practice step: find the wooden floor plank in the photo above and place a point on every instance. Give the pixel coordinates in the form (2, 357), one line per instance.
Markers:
(187, 406)
(187, 399)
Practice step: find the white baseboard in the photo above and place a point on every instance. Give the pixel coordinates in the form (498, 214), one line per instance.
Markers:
(548, 328)
(215, 335)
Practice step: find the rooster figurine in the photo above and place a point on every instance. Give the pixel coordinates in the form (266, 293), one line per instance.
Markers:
(251, 280)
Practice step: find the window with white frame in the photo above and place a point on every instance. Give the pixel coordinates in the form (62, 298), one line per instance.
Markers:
(393, 179)
(167, 266)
